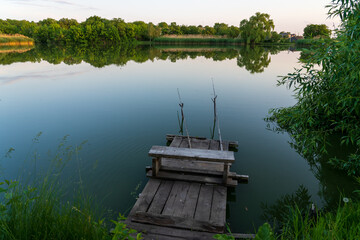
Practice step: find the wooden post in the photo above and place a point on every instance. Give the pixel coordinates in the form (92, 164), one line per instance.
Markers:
(156, 162)
(226, 172)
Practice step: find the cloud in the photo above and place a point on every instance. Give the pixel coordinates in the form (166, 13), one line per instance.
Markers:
(36, 75)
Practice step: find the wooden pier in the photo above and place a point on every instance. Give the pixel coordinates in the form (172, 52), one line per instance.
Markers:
(185, 197)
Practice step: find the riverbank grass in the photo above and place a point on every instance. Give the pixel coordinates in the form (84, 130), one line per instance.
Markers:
(17, 39)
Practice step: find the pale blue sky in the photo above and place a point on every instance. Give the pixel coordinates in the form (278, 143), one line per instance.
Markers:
(288, 15)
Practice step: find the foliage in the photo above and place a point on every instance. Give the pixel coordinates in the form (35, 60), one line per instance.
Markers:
(316, 30)
(122, 232)
(34, 209)
(265, 233)
(257, 29)
(209, 41)
(342, 224)
(328, 93)
(280, 212)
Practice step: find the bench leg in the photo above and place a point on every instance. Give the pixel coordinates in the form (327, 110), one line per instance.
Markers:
(156, 163)
(226, 172)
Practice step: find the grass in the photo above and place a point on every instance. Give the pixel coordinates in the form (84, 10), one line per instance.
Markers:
(198, 41)
(342, 224)
(35, 209)
(16, 39)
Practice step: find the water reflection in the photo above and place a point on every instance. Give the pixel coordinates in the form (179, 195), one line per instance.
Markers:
(253, 59)
(334, 184)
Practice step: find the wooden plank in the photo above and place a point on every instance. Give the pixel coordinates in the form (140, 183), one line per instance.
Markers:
(170, 137)
(176, 141)
(146, 196)
(214, 145)
(218, 208)
(243, 235)
(167, 231)
(226, 172)
(177, 222)
(193, 171)
(193, 178)
(189, 165)
(160, 197)
(225, 145)
(200, 144)
(203, 208)
(160, 237)
(156, 162)
(191, 199)
(192, 154)
(176, 199)
(239, 178)
(184, 143)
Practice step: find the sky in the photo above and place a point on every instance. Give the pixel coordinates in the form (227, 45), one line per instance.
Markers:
(288, 15)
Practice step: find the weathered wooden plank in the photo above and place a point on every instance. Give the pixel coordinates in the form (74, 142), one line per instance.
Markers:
(191, 199)
(239, 178)
(184, 143)
(167, 231)
(200, 144)
(160, 237)
(193, 178)
(177, 222)
(225, 145)
(192, 165)
(156, 162)
(160, 197)
(176, 141)
(146, 196)
(226, 172)
(242, 235)
(214, 145)
(176, 199)
(203, 208)
(192, 154)
(203, 171)
(170, 137)
(218, 207)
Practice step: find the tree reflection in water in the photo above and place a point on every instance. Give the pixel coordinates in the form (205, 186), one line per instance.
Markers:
(334, 184)
(253, 59)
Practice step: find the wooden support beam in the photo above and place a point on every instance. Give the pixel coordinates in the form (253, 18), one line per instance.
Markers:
(226, 173)
(156, 163)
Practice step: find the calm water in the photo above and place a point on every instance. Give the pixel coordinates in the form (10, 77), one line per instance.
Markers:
(123, 101)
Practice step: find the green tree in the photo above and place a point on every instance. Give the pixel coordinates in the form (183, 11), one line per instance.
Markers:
(328, 96)
(257, 28)
(316, 30)
(164, 27)
(221, 29)
(208, 31)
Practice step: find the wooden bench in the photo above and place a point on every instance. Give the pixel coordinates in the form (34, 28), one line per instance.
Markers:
(159, 152)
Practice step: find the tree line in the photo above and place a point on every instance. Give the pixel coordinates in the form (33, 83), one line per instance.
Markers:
(96, 30)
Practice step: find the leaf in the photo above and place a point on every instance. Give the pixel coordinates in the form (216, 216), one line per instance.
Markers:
(265, 233)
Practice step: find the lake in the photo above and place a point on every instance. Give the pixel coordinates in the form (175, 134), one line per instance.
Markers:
(123, 100)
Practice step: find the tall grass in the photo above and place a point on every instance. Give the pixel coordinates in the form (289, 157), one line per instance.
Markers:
(216, 41)
(342, 224)
(34, 208)
(16, 39)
